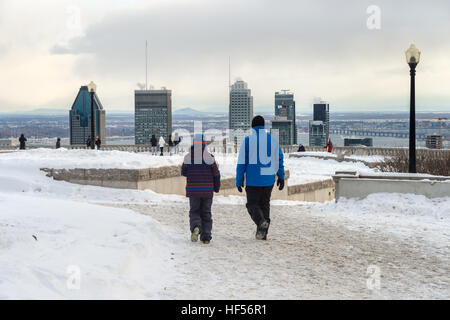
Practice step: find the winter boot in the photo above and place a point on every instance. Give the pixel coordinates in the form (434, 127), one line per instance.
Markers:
(206, 242)
(195, 233)
(261, 231)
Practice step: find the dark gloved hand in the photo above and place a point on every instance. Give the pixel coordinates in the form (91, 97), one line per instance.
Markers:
(239, 189)
(280, 184)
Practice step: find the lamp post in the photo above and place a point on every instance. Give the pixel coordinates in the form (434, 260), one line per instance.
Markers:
(412, 58)
(92, 87)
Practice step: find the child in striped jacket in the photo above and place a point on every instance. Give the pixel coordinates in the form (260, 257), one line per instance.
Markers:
(202, 180)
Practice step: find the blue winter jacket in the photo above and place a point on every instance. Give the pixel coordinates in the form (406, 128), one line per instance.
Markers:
(260, 158)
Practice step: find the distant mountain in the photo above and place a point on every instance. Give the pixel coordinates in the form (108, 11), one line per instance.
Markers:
(47, 111)
(189, 111)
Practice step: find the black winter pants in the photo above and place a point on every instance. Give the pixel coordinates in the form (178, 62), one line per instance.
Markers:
(258, 203)
(200, 216)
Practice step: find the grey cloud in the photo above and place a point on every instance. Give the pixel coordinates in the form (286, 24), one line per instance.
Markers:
(260, 29)
(193, 38)
(60, 49)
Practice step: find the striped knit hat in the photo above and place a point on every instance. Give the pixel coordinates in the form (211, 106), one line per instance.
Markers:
(199, 138)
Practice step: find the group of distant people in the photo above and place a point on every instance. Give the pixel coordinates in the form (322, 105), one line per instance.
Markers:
(97, 143)
(173, 143)
(328, 146)
(23, 140)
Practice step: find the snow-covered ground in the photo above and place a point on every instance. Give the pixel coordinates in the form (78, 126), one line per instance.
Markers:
(135, 244)
(302, 170)
(374, 158)
(51, 247)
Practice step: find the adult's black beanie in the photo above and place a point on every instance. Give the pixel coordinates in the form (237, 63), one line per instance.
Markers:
(258, 121)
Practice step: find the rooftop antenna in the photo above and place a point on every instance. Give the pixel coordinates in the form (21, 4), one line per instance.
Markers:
(146, 65)
(229, 73)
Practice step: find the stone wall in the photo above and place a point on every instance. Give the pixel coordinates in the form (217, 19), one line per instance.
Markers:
(168, 180)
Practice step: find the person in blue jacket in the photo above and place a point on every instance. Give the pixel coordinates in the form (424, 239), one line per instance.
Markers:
(260, 160)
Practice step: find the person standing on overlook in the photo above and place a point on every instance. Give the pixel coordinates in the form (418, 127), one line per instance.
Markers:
(162, 143)
(88, 143)
(176, 142)
(329, 146)
(154, 144)
(98, 143)
(22, 141)
(170, 144)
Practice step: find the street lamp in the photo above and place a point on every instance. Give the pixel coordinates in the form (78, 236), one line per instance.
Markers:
(92, 87)
(412, 58)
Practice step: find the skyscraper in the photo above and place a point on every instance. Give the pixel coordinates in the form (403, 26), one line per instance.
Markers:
(282, 128)
(153, 114)
(317, 135)
(240, 109)
(286, 99)
(322, 113)
(80, 118)
(319, 127)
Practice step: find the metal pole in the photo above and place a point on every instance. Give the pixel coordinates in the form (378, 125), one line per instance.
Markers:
(92, 122)
(412, 121)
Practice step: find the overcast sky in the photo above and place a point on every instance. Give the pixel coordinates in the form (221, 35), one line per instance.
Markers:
(48, 49)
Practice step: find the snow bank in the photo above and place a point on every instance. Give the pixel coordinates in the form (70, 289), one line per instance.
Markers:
(309, 169)
(405, 215)
(394, 204)
(45, 243)
(90, 159)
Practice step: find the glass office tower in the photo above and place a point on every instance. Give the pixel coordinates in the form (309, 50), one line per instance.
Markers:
(80, 118)
(152, 114)
(286, 99)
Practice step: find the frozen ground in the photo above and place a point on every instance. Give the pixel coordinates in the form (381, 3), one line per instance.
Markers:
(135, 244)
(302, 170)
(314, 251)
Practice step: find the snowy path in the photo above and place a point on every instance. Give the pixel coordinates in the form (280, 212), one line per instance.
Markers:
(314, 250)
(308, 256)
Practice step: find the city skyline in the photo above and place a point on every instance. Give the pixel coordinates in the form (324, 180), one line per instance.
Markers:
(340, 58)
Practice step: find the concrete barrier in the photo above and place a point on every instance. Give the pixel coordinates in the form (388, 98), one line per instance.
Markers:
(319, 191)
(168, 180)
(354, 185)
